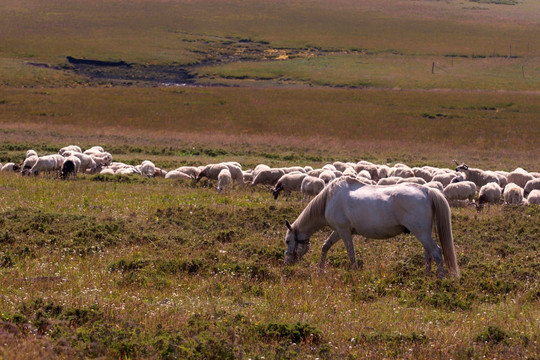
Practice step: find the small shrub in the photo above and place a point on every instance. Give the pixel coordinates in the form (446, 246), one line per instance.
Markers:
(294, 333)
(492, 334)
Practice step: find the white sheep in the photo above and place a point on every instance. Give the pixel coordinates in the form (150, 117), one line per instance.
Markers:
(460, 191)
(10, 167)
(29, 162)
(402, 171)
(391, 180)
(107, 171)
(534, 197)
(444, 178)
(211, 171)
(160, 172)
(259, 168)
(414, 180)
(128, 171)
(383, 171)
(192, 171)
(519, 177)
(329, 167)
(311, 186)
(88, 163)
(291, 169)
(248, 176)
(350, 172)
(363, 173)
(236, 172)
(372, 169)
(435, 185)
(101, 159)
(267, 177)
(478, 176)
(531, 185)
(31, 153)
(148, 168)
(513, 194)
(315, 172)
(175, 174)
(327, 176)
(488, 194)
(422, 173)
(224, 180)
(94, 150)
(72, 148)
(288, 183)
(503, 178)
(47, 163)
(341, 166)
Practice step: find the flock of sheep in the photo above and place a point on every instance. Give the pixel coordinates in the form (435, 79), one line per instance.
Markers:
(461, 186)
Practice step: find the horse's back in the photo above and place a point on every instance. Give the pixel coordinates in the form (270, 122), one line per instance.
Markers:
(379, 211)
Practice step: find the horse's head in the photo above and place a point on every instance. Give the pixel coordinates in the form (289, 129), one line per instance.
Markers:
(296, 247)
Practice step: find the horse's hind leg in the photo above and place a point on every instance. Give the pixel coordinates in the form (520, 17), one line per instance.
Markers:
(332, 239)
(428, 259)
(434, 252)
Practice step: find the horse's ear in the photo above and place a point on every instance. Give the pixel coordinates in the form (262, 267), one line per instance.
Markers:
(288, 224)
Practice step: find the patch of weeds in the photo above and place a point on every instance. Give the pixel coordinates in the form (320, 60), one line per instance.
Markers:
(214, 152)
(492, 334)
(5, 260)
(444, 294)
(435, 116)
(125, 266)
(225, 236)
(293, 333)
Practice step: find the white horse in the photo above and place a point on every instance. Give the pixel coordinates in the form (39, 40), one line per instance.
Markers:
(378, 212)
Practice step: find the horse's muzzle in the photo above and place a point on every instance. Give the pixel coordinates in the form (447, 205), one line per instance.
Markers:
(289, 259)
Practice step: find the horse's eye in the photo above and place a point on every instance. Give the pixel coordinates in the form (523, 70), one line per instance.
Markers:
(287, 242)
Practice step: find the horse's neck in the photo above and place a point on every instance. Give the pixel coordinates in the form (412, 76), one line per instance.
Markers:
(310, 220)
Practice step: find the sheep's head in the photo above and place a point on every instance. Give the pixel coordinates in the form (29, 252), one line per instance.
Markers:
(462, 167)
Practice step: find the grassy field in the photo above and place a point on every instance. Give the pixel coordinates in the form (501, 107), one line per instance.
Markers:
(126, 267)
(162, 269)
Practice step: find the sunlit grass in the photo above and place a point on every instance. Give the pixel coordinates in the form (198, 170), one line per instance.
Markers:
(237, 281)
(491, 129)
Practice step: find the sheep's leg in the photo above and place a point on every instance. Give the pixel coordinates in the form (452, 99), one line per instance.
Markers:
(332, 239)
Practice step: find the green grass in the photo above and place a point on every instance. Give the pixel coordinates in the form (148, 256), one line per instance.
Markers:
(160, 269)
(495, 130)
(181, 32)
(127, 267)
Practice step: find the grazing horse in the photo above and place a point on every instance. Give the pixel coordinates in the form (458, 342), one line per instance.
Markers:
(350, 207)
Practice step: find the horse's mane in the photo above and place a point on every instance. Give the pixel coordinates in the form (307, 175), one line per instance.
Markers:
(316, 207)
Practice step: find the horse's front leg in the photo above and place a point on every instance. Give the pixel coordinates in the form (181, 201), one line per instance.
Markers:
(346, 235)
(332, 239)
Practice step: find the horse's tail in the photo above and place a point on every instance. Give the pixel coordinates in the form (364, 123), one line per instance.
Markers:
(443, 221)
